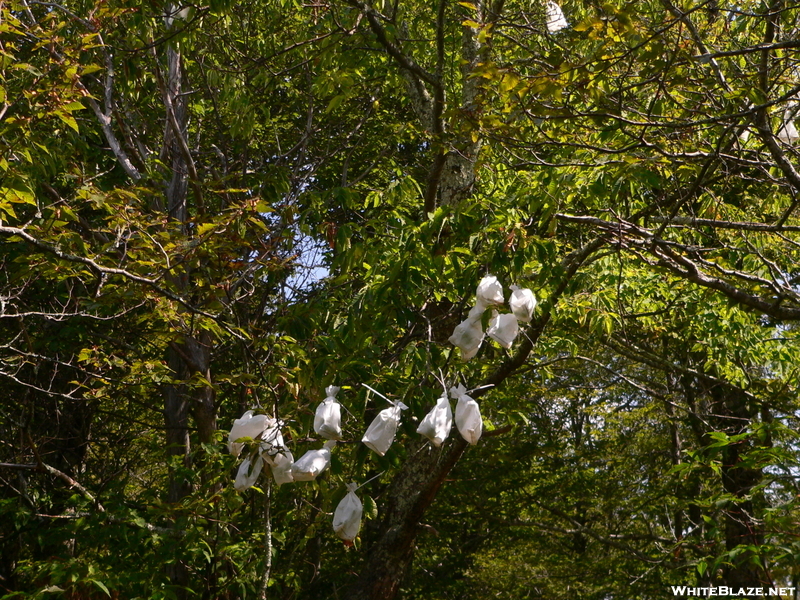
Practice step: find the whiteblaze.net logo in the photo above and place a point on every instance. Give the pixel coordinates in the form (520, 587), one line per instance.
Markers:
(724, 590)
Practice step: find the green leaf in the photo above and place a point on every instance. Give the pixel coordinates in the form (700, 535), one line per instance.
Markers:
(68, 119)
(102, 586)
(205, 228)
(701, 567)
(335, 102)
(73, 106)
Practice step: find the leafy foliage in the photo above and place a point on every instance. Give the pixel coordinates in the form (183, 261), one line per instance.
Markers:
(209, 209)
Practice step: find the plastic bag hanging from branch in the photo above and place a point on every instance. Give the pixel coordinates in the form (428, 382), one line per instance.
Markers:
(522, 303)
(788, 132)
(309, 466)
(503, 329)
(328, 417)
(248, 473)
(281, 467)
(555, 17)
(489, 293)
(275, 453)
(347, 516)
(271, 440)
(468, 415)
(248, 426)
(468, 336)
(437, 423)
(380, 433)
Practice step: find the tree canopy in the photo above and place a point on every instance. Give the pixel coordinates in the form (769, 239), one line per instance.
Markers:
(213, 208)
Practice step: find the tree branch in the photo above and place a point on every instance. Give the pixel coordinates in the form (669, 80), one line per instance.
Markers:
(737, 225)
(394, 51)
(60, 474)
(97, 268)
(666, 256)
(570, 266)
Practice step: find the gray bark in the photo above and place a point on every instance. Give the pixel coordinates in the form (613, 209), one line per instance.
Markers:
(733, 414)
(412, 491)
(176, 420)
(192, 352)
(176, 402)
(176, 104)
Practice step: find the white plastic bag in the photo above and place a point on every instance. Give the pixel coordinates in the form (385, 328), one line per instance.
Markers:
(271, 440)
(380, 433)
(247, 426)
(788, 133)
(503, 329)
(522, 304)
(468, 415)
(476, 313)
(327, 419)
(282, 467)
(489, 292)
(347, 516)
(555, 17)
(437, 423)
(248, 473)
(309, 466)
(468, 336)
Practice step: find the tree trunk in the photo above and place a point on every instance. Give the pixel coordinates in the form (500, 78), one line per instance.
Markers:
(191, 354)
(176, 401)
(176, 420)
(742, 525)
(411, 493)
(176, 409)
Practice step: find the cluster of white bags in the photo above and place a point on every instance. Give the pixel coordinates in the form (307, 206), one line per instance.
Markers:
(271, 450)
(503, 327)
(437, 423)
(468, 335)
(436, 426)
(379, 436)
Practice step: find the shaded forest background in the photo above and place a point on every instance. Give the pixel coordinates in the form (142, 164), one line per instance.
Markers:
(210, 208)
